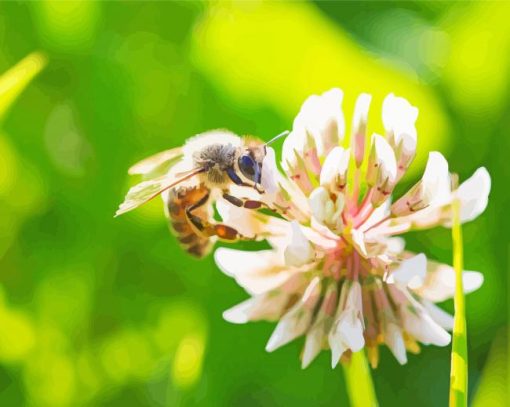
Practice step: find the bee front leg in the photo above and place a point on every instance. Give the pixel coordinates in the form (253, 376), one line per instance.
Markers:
(245, 202)
(208, 229)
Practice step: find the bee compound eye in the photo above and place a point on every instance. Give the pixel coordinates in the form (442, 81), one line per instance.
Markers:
(248, 166)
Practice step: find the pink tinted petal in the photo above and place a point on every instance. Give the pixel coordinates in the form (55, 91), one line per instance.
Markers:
(334, 171)
(359, 126)
(433, 190)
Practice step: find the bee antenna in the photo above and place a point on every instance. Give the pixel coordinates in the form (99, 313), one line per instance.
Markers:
(283, 134)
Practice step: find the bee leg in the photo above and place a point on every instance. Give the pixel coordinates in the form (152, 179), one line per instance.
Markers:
(208, 229)
(245, 202)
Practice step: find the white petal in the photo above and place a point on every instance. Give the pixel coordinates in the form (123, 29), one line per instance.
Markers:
(421, 326)
(439, 284)
(270, 173)
(257, 272)
(411, 272)
(266, 306)
(321, 326)
(296, 141)
(337, 349)
(321, 204)
(381, 170)
(354, 299)
(359, 126)
(379, 213)
(398, 115)
(334, 169)
(444, 319)
(474, 195)
(430, 193)
(346, 333)
(436, 180)
(297, 320)
(358, 240)
(244, 222)
(395, 341)
(299, 251)
(395, 245)
(347, 330)
(253, 223)
(313, 344)
(352, 330)
(322, 117)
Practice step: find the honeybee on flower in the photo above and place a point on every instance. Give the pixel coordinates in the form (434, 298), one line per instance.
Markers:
(193, 177)
(338, 271)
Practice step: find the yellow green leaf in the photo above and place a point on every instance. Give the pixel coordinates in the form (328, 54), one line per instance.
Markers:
(14, 81)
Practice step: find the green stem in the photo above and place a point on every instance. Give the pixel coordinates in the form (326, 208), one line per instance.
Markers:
(359, 381)
(459, 362)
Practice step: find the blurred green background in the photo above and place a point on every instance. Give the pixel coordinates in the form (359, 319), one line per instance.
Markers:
(102, 311)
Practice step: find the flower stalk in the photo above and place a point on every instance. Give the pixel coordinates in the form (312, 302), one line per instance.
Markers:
(359, 381)
(459, 361)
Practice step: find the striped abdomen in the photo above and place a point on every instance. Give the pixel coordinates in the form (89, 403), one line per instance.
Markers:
(179, 199)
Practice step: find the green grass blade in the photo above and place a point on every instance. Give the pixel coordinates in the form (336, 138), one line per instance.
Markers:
(493, 389)
(17, 78)
(459, 362)
(359, 381)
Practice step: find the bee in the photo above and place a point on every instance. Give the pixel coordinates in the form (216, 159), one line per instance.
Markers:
(194, 176)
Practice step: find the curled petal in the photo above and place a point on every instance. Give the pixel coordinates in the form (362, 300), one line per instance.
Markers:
(297, 320)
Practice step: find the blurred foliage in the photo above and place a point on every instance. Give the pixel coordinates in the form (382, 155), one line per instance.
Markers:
(97, 311)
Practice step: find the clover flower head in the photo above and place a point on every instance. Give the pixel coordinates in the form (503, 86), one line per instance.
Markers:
(338, 272)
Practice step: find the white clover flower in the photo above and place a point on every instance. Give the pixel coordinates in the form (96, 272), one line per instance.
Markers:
(337, 272)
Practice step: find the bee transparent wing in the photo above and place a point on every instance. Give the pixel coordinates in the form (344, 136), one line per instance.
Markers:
(152, 163)
(147, 190)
